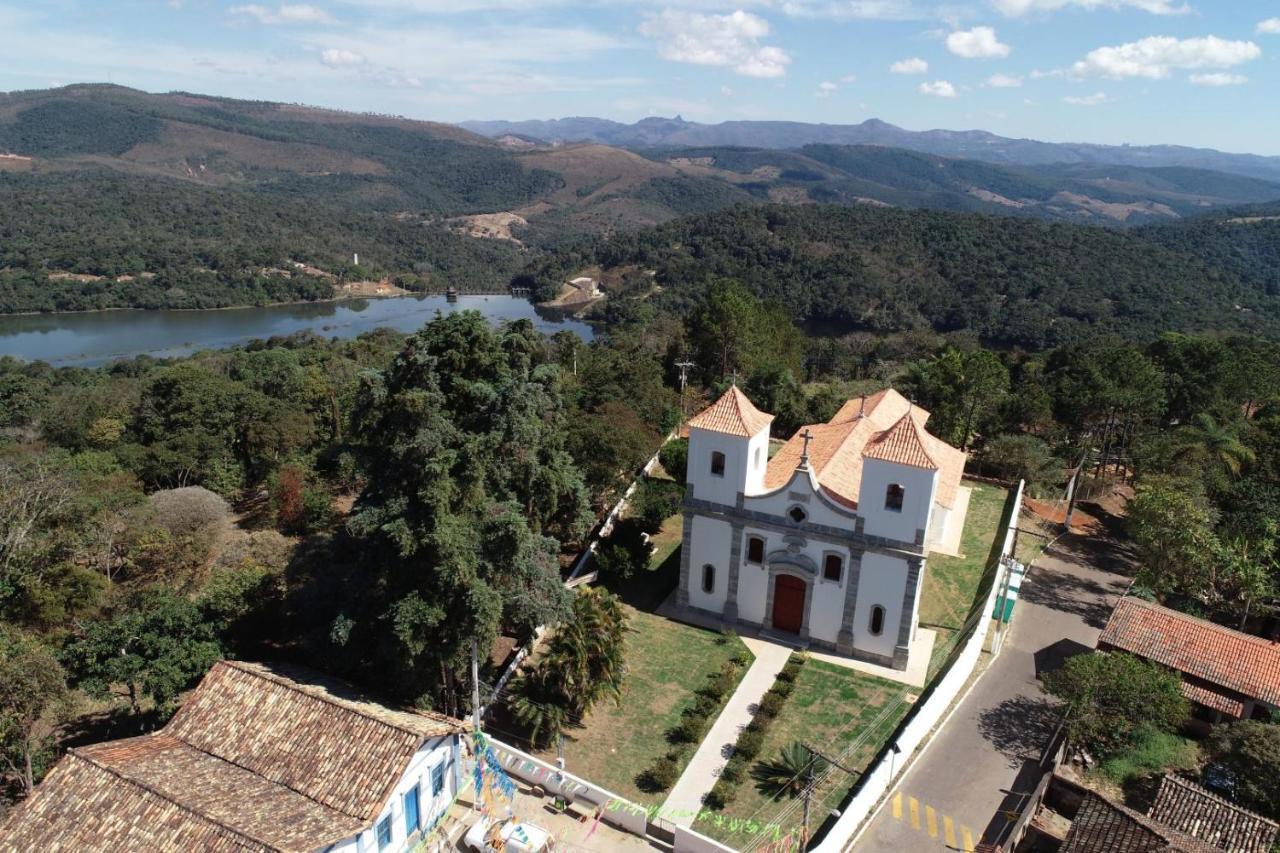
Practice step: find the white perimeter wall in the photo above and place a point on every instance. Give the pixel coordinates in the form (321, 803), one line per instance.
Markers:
(433, 753)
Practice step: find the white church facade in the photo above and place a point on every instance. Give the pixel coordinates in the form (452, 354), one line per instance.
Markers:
(824, 544)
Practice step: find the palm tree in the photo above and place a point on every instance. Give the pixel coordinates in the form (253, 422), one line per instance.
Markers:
(538, 702)
(587, 653)
(1218, 442)
(789, 772)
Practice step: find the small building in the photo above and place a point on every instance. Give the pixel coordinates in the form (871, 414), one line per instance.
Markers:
(1103, 826)
(587, 285)
(1187, 807)
(1225, 673)
(826, 542)
(259, 758)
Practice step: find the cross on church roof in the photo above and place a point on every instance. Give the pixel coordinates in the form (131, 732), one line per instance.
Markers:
(804, 454)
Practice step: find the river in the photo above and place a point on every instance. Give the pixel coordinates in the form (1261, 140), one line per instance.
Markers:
(98, 337)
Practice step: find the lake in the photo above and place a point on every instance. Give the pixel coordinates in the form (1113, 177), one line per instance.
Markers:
(98, 337)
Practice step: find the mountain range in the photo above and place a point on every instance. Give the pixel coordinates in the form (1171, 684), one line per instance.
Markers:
(971, 144)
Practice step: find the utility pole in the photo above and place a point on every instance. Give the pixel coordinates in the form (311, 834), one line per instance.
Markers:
(814, 755)
(1071, 491)
(684, 366)
(475, 686)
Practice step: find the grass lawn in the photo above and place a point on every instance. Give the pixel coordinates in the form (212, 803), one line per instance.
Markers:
(666, 663)
(833, 709)
(951, 583)
(1155, 752)
(666, 541)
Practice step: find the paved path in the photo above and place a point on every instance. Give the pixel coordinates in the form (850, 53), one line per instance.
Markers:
(704, 768)
(985, 760)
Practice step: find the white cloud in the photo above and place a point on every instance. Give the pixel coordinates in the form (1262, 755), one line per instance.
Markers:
(1218, 78)
(1016, 8)
(1156, 57)
(1087, 100)
(825, 89)
(287, 13)
(848, 10)
(977, 43)
(849, 78)
(726, 91)
(1271, 26)
(339, 58)
(1004, 81)
(938, 89)
(727, 40)
(914, 65)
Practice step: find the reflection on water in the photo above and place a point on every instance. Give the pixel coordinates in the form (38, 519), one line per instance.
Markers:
(98, 337)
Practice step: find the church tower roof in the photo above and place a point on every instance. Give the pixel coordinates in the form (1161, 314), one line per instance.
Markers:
(901, 443)
(734, 414)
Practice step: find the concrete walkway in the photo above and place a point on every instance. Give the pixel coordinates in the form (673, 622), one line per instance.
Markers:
(704, 768)
(984, 762)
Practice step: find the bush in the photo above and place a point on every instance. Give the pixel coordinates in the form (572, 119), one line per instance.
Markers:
(741, 658)
(624, 553)
(654, 502)
(734, 770)
(720, 796)
(703, 705)
(1022, 457)
(1153, 751)
(749, 744)
(783, 689)
(674, 457)
(720, 685)
(690, 729)
(771, 705)
(661, 776)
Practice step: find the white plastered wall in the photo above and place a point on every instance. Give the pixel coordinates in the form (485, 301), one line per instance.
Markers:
(882, 581)
(710, 543)
(919, 486)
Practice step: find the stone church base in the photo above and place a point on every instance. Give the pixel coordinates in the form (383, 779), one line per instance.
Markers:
(915, 674)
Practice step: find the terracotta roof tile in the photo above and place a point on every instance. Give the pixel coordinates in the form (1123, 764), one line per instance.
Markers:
(1229, 659)
(732, 413)
(1187, 807)
(1210, 697)
(836, 449)
(901, 443)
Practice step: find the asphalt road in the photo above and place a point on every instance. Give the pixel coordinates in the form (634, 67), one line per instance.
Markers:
(985, 760)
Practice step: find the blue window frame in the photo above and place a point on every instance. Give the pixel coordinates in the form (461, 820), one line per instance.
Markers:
(437, 779)
(384, 833)
(411, 819)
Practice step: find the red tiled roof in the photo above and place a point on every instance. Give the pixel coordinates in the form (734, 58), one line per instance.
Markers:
(836, 448)
(901, 443)
(1101, 826)
(732, 413)
(1230, 659)
(1203, 694)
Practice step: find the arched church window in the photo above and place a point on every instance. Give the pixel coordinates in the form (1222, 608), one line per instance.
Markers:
(877, 621)
(893, 497)
(717, 463)
(708, 577)
(755, 549)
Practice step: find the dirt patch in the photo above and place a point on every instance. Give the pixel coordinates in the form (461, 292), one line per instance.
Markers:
(83, 278)
(1112, 210)
(995, 198)
(15, 163)
(489, 226)
(371, 288)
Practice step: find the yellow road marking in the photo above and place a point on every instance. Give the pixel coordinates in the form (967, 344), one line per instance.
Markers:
(915, 813)
(949, 831)
(897, 806)
(932, 817)
(968, 839)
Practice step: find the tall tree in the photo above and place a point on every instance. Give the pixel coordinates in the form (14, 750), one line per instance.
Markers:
(31, 686)
(1216, 444)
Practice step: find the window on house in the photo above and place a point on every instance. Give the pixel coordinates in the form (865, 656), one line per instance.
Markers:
(877, 621)
(755, 549)
(832, 566)
(893, 497)
(717, 463)
(797, 514)
(757, 457)
(437, 779)
(708, 577)
(384, 833)
(411, 819)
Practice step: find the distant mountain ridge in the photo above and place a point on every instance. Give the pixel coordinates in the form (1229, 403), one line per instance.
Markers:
(972, 144)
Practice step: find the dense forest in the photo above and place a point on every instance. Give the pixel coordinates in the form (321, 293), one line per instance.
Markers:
(1011, 282)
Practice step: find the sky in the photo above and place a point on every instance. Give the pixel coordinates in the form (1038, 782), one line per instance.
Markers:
(1189, 72)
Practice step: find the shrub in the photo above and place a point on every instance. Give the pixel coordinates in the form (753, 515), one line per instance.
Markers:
(720, 796)
(661, 776)
(624, 553)
(690, 729)
(734, 769)
(674, 456)
(1153, 751)
(720, 685)
(654, 502)
(783, 689)
(749, 744)
(1015, 457)
(741, 658)
(703, 705)
(771, 705)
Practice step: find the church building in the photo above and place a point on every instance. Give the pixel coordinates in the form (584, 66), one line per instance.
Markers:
(825, 543)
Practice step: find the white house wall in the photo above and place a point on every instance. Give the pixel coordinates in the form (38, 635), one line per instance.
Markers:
(430, 809)
(918, 484)
(779, 501)
(739, 464)
(882, 582)
(710, 544)
(753, 578)
(828, 597)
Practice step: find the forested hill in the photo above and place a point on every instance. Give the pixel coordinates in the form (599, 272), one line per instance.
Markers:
(1013, 282)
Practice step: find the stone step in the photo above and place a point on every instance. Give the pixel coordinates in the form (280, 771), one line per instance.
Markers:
(791, 640)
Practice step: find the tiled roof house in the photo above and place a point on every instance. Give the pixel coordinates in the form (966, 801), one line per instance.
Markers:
(258, 758)
(1226, 671)
(1187, 807)
(1102, 826)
